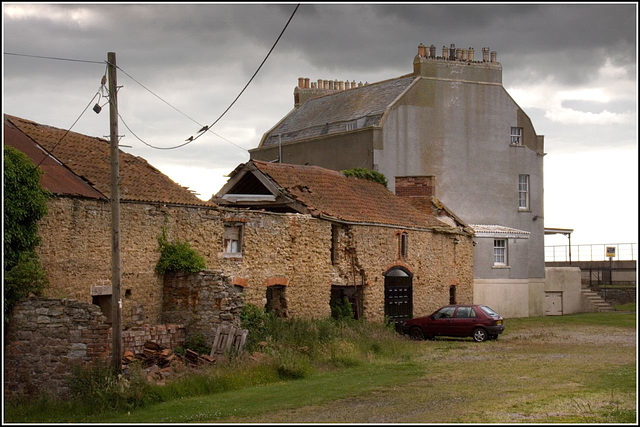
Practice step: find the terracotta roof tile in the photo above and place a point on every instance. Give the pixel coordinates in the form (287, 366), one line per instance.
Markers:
(89, 158)
(328, 192)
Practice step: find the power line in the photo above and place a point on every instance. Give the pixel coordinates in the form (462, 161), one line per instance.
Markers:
(54, 58)
(168, 148)
(69, 130)
(178, 110)
(206, 128)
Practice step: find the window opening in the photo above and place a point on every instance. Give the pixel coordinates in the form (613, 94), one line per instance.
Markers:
(233, 239)
(404, 245)
(335, 229)
(523, 192)
(452, 294)
(516, 136)
(500, 252)
(277, 301)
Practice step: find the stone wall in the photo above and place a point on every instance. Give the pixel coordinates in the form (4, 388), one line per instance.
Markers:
(46, 338)
(203, 301)
(169, 335)
(291, 250)
(618, 296)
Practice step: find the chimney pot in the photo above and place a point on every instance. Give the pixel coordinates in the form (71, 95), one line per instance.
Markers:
(445, 52)
(306, 83)
(301, 82)
(485, 54)
(470, 55)
(494, 56)
(325, 84)
(331, 84)
(452, 52)
(463, 54)
(313, 85)
(421, 50)
(432, 51)
(360, 84)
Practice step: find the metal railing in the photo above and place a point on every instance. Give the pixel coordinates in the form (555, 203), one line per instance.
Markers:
(593, 252)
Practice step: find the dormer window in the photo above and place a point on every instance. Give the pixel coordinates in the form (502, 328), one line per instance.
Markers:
(516, 136)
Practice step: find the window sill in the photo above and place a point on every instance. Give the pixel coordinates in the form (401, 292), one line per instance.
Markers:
(501, 267)
(524, 210)
(516, 145)
(232, 255)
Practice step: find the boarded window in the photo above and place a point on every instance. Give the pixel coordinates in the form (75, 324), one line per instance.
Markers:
(452, 294)
(233, 239)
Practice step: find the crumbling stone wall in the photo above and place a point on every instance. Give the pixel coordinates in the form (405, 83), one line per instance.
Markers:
(290, 250)
(202, 301)
(169, 336)
(46, 338)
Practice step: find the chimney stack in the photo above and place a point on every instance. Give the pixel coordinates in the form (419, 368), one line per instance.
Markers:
(415, 186)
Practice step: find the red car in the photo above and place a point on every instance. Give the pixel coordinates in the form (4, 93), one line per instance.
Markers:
(476, 321)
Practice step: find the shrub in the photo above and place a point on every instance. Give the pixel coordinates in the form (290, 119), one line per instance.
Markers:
(363, 173)
(27, 276)
(177, 256)
(342, 310)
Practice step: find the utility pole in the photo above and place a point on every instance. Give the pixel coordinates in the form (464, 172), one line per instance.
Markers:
(116, 265)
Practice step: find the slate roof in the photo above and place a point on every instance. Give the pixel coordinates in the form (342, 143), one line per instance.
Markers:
(329, 193)
(329, 114)
(88, 158)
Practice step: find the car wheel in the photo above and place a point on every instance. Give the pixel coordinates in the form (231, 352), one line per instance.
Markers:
(416, 333)
(480, 335)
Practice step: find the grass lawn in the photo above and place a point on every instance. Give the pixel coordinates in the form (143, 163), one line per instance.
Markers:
(561, 369)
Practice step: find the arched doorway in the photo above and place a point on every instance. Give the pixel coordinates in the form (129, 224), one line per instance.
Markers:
(398, 294)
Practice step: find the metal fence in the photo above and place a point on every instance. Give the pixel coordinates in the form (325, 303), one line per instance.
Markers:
(594, 252)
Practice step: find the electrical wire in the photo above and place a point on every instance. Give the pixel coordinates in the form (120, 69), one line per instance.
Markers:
(69, 130)
(178, 110)
(206, 129)
(57, 59)
(167, 148)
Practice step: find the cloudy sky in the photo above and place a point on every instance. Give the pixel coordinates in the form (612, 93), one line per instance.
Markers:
(572, 68)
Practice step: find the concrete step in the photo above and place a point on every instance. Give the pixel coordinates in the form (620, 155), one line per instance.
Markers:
(596, 301)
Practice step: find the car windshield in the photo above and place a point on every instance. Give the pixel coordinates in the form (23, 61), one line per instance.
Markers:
(488, 311)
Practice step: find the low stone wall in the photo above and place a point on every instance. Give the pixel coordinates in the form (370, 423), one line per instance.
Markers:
(170, 336)
(201, 301)
(618, 296)
(46, 338)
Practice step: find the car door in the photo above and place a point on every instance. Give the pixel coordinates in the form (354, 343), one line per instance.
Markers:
(464, 321)
(440, 322)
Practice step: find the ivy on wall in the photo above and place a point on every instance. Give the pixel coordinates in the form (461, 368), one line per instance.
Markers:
(24, 205)
(177, 256)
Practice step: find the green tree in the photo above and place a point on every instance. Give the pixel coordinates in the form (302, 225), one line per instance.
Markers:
(363, 173)
(25, 203)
